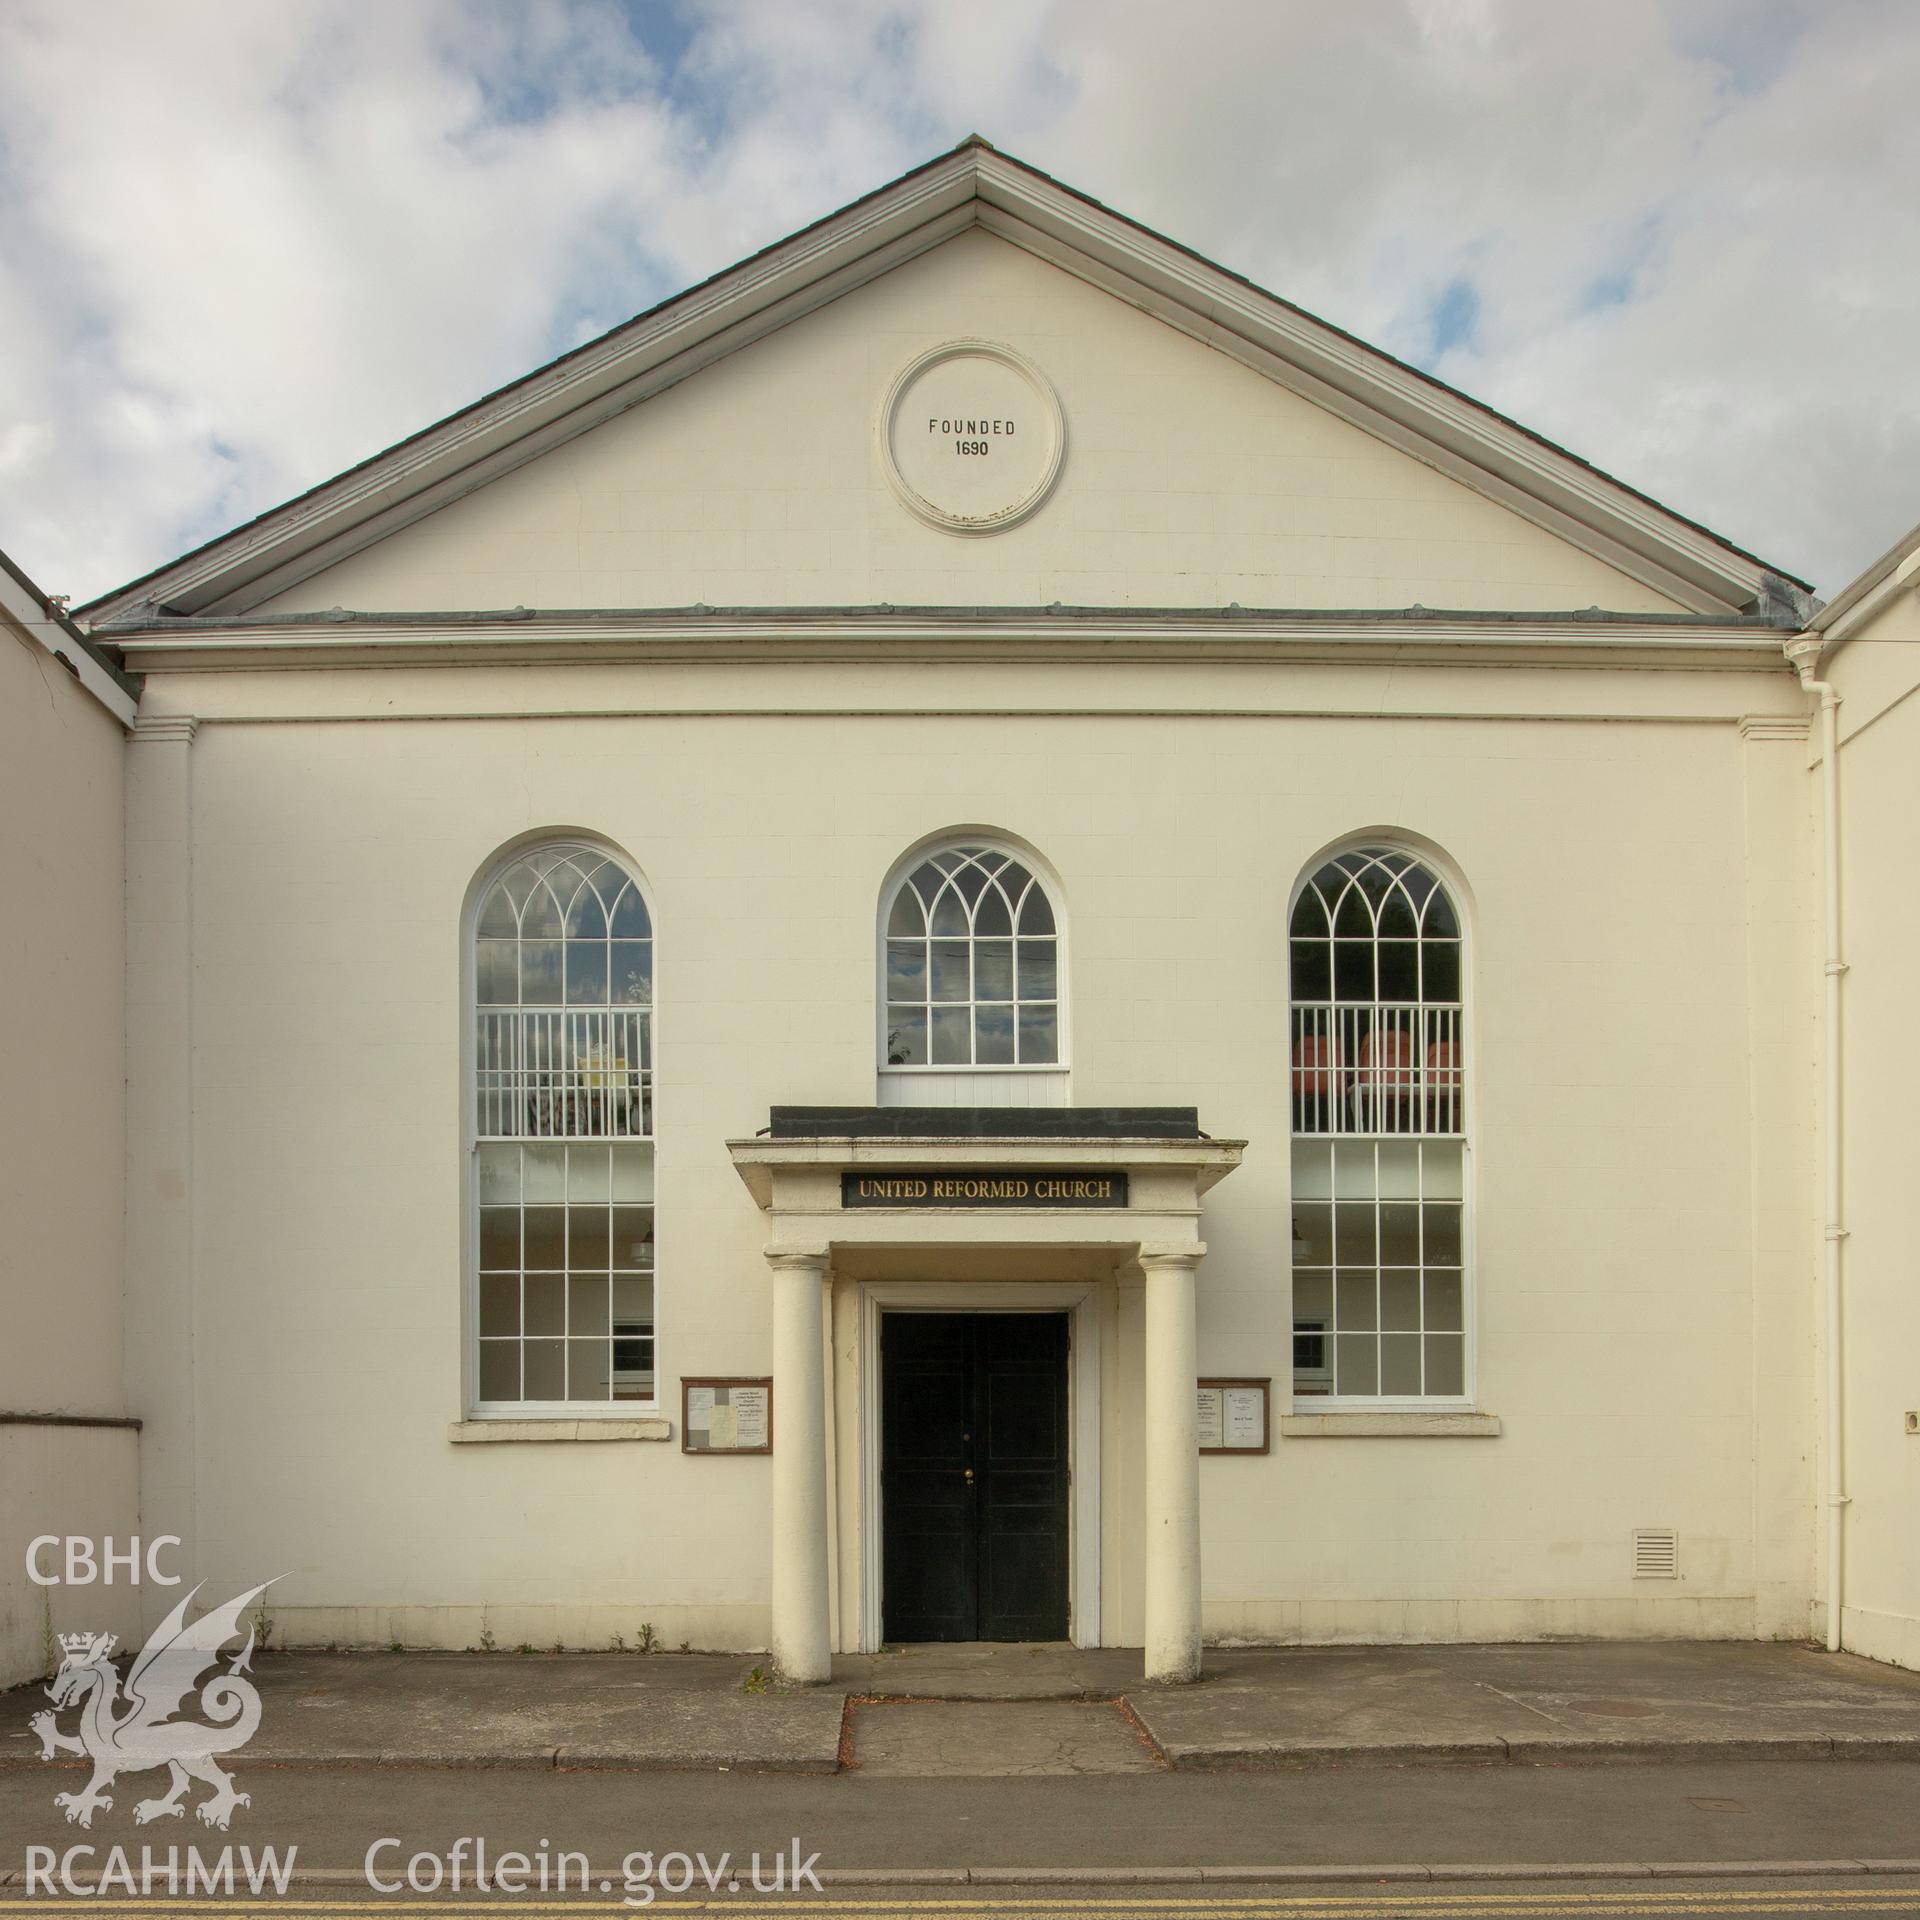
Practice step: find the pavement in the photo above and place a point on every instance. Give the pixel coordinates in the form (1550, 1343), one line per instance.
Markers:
(520, 1710)
(1006, 1771)
(1058, 1709)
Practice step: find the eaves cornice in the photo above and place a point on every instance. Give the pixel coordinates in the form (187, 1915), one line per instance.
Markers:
(801, 635)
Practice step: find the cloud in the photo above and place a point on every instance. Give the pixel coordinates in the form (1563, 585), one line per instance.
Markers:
(242, 247)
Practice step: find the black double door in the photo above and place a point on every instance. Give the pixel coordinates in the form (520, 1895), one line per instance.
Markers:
(973, 1463)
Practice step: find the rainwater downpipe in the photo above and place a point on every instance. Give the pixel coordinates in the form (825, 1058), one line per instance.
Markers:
(1805, 656)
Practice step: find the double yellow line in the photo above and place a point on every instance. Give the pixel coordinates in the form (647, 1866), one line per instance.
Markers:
(1584, 1903)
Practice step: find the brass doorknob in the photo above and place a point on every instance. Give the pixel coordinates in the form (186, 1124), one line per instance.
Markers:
(969, 1476)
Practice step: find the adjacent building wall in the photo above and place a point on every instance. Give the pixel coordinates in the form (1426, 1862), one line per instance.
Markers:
(61, 954)
(1877, 672)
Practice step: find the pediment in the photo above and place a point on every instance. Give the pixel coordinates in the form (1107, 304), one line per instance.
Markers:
(1217, 447)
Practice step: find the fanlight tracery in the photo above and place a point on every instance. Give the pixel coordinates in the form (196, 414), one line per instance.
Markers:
(972, 974)
(1375, 944)
(563, 974)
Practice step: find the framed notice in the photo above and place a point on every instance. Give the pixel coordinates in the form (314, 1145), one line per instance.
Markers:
(726, 1416)
(1233, 1416)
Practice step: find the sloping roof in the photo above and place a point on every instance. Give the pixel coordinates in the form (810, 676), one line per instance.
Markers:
(97, 666)
(973, 185)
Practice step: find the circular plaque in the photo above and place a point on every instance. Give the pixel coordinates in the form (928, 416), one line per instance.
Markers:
(971, 435)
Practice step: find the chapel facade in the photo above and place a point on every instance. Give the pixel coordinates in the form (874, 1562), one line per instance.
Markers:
(973, 936)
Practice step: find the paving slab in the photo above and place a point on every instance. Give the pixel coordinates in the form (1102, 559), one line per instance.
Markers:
(1535, 1704)
(524, 1710)
(987, 1670)
(1291, 1706)
(997, 1737)
(797, 1733)
(1651, 1693)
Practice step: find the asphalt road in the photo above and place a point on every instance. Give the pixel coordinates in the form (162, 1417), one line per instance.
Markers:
(1442, 1816)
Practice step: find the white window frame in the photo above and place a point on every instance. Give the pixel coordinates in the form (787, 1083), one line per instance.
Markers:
(1448, 876)
(1054, 1071)
(476, 1409)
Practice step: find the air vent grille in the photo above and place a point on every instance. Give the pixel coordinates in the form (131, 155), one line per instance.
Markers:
(1656, 1553)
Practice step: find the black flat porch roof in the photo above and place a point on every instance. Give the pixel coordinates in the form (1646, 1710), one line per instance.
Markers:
(984, 1123)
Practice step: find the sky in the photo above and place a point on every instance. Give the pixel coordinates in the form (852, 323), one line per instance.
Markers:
(246, 243)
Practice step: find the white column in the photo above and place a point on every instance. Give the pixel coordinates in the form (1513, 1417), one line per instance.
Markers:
(1172, 1446)
(800, 1644)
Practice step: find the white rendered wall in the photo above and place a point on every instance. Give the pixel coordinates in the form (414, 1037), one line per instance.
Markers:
(61, 955)
(1876, 672)
(1637, 863)
(1639, 873)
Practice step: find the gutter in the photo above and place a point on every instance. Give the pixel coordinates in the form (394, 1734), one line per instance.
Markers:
(889, 619)
(1803, 654)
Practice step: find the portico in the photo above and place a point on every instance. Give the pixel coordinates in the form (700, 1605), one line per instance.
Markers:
(1090, 1214)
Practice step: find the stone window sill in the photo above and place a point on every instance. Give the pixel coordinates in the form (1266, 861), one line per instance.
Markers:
(1390, 1426)
(648, 1427)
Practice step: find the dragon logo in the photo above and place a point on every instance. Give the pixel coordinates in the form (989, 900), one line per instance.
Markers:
(137, 1731)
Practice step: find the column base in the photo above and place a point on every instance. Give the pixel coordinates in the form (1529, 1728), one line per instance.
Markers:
(1179, 1670)
(808, 1664)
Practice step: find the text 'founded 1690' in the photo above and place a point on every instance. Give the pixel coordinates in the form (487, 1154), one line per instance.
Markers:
(971, 436)
(985, 1187)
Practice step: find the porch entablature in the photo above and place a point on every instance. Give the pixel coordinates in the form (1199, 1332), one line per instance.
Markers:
(1107, 1177)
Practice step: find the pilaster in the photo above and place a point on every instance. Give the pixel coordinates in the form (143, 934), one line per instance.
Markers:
(159, 1363)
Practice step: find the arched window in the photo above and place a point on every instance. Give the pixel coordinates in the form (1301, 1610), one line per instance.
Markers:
(1379, 1132)
(970, 964)
(563, 1134)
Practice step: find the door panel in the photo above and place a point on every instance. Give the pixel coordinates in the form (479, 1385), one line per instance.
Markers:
(1020, 1369)
(974, 1485)
(930, 1570)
